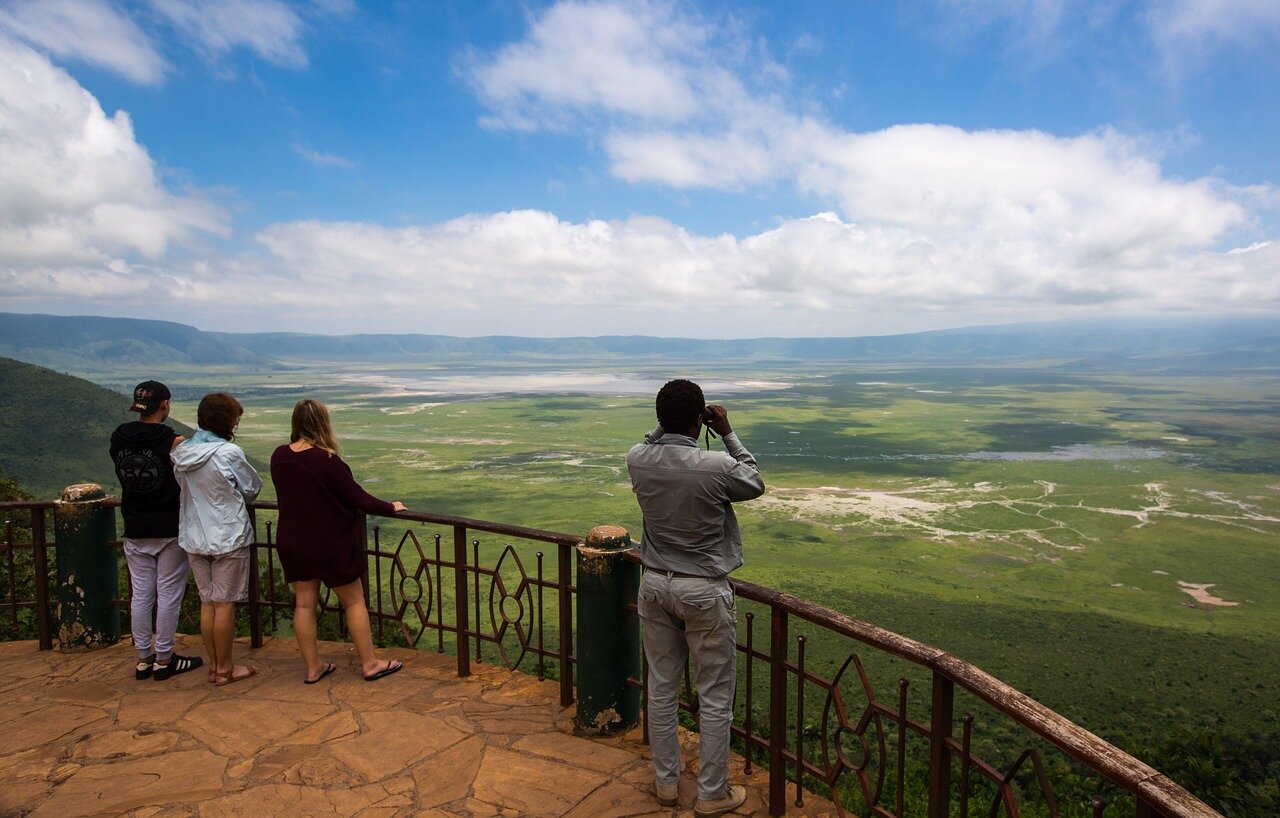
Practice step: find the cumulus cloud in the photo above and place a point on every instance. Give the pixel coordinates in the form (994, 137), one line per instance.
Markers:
(587, 55)
(925, 211)
(529, 262)
(90, 31)
(1092, 200)
(78, 188)
(921, 217)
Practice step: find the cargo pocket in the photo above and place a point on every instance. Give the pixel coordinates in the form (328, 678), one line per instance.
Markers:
(647, 603)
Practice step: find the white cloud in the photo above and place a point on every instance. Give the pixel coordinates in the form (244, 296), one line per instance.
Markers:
(586, 55)
(1181, 32)
(931, 213)
(530, 263)
(271, 29)
(90, 31)
(1093, 200)
(323, 159)
(101, 33)
(922, 218)
(78, 188)
(1189, 28)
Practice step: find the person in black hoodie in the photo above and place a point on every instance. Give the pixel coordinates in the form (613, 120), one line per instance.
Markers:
(158, 567)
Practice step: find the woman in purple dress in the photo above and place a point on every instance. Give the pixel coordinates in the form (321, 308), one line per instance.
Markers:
(321, 537)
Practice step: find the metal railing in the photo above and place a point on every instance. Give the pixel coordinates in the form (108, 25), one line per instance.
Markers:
(865, 753)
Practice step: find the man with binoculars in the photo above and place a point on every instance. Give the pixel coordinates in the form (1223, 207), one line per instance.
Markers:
(690, 545)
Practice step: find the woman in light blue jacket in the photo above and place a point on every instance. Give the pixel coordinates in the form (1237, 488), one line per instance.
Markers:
(213, 526)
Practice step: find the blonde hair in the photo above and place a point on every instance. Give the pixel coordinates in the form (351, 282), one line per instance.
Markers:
(311, 424)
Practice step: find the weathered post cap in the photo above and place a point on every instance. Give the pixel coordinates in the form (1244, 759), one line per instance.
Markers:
(83, 493)
(609, 538)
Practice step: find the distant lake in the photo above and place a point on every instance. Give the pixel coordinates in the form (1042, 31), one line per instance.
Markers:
(1074, 451)
(523, 382)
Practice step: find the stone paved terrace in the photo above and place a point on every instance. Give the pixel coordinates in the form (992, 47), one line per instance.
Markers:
(81, 736)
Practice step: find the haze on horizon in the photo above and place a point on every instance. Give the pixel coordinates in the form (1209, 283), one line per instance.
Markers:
(708, 169)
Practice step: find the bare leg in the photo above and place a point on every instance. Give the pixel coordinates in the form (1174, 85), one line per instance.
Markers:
(206, 634)
(352, 597)
(306, 596)
(224, 631)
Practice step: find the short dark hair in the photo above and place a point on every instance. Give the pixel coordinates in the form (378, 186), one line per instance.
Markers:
(680, 404)
(218, 413)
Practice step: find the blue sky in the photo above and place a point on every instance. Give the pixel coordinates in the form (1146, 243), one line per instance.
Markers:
(722, 169)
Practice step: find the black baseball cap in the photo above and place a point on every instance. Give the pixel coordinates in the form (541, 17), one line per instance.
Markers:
(148, 395)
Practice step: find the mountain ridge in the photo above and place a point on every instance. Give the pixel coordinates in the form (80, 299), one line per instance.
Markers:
(82, 343)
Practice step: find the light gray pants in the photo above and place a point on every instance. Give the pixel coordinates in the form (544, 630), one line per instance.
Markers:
(158, 579)
(684, 617)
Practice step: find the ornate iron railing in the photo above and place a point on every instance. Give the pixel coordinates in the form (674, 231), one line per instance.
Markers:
(862, 753)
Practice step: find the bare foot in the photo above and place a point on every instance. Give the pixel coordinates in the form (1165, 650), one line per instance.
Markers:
(237, 674)
(314, 676)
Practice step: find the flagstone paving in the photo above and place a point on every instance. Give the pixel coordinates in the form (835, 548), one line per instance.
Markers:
(82, 737)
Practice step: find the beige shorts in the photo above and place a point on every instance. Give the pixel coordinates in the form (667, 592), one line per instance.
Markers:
(224, 578)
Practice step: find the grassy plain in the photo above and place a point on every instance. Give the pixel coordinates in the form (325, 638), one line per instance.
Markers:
(1033, 520)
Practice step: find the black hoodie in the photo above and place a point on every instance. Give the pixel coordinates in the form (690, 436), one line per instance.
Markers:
(149, 494)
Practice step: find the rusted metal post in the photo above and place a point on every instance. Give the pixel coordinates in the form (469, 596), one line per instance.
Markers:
(900, 784)
(800, 721)
(565, 602)
(749, 717)
(460, 600)
(377, 577)
(777, 711)
(941, 725)
(87, 574)
(362, 520)
(39, 543)
(255, 593)
(608, 633)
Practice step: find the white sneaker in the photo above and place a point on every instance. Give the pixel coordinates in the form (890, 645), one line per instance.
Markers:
(668, 794)
(732, 799)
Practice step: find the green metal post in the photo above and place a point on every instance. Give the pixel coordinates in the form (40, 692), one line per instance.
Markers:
(87, 578)
(608, 633)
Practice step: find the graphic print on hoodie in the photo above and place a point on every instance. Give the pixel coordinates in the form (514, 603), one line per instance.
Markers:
(216, 481)
(148, 492)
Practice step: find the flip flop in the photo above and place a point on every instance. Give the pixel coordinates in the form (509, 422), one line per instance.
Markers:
(329, 668)
(230, 678)
(393, 666)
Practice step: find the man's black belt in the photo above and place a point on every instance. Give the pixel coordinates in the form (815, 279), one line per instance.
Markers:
(680, 574)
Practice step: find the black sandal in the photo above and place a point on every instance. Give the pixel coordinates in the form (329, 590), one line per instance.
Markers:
(393, 666)
(329, 668)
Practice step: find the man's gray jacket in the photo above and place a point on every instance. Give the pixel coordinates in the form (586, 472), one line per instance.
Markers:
(685, 495)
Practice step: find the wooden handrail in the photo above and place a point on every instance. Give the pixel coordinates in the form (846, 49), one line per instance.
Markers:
(1153, 789)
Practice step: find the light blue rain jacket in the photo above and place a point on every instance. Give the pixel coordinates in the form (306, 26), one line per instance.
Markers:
(216, 481)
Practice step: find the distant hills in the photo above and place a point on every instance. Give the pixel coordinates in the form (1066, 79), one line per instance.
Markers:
(83, 344)
(55, 429)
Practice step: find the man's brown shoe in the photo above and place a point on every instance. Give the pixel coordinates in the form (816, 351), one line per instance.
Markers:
(668, 794)
(730, 801)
